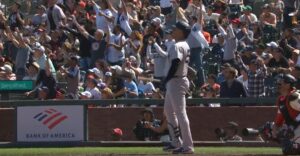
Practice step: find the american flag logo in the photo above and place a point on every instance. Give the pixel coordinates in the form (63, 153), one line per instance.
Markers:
(50, 118)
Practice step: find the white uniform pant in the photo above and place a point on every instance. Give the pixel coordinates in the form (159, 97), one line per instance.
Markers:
(297, 135)
(175, 109)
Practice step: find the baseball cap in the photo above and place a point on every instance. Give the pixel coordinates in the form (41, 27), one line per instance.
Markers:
(6, 68)
(236, 21)
(117, 131)
(75, 58)
(86, 94)
(183, 26)
(82, 4)
(96, 71)
(101, 85)
(117, 68)
(272, 44)
(156, 20)
(147, 110)
(38, 47)
(247, 8)
(42, 7)
(108, 74)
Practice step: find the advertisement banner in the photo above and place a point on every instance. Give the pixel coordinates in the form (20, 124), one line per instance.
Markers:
(50, 123)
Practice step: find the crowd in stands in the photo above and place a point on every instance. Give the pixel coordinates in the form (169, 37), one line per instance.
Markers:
(110, 49)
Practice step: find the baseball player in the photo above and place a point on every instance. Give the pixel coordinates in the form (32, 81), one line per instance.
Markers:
(177, 85)
(288, 115)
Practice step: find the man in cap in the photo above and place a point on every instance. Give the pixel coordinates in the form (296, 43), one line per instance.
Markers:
(72, 75)
(288, 116)
(177, 86)
(42, 59)
(247, 16)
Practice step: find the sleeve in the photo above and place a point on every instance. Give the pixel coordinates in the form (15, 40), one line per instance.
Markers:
(73, 73)
(294, 101)
(197, 34)
(176, 52)
(161, 52)
(61, 14)
(96, 9)
(230, 32)
(149, 52)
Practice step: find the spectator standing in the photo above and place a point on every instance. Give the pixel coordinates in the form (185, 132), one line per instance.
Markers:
(197, 44)
(231, 87)
(23, 51)
(16, 18)
(42, 59)
(257, 72)
(97, 44)
(56, 16)
(248, 17)
(72, 74)
(103, 15)
(116, 43)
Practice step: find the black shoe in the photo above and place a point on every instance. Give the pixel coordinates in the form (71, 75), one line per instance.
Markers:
(169, 148)
(181, 150)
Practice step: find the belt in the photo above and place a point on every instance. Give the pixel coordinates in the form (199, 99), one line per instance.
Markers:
(179, 76)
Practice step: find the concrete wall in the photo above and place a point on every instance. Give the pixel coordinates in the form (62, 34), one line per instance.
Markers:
(203, 120)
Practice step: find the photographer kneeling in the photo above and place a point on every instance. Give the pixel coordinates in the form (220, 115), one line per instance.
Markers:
(149, 128)
(286, 129)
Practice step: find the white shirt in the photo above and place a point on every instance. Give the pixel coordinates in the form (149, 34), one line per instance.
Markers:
(196, 38)
(252, 18)
(213, 16)
(124, 23)
(244, 82)
(96, 94)
(146, 88)
(114, 55)
(101, 21)
(165, 3)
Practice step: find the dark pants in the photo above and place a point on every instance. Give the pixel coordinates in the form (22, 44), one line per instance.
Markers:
(119, 63)
(197, 63)
(166, 11)
(287, 20)
(20, 73)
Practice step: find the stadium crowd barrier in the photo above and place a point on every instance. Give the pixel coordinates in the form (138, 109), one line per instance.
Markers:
(100, 120)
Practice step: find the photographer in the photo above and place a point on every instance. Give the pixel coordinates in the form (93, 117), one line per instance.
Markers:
(286, 128)
(144, 127)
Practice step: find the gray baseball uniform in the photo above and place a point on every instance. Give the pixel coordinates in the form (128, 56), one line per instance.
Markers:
(175, 102)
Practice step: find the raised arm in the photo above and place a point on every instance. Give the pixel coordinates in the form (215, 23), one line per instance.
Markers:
(160, 51)
(80, 28)
(111, 7)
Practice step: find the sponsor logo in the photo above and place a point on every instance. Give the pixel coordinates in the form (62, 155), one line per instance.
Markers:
(50, 118)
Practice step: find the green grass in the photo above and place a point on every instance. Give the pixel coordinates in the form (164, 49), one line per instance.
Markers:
(132, 150)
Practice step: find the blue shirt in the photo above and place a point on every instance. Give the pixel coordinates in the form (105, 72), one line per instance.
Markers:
(132, 87)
